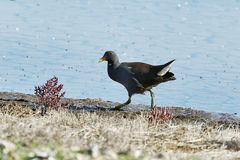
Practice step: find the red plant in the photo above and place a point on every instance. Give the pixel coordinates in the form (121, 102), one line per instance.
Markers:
(50, 94)
(156, 115)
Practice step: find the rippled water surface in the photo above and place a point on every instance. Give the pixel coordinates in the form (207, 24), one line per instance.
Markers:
(42, 38)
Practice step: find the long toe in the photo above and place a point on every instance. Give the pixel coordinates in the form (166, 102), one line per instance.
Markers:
(116, 108)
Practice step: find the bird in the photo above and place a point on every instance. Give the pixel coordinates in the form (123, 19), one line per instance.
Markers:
(136, 77)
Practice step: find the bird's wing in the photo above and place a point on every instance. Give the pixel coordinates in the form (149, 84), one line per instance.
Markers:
(147, 74)
(127, 77)
(140, 73)
(137, 68)
(137, 83)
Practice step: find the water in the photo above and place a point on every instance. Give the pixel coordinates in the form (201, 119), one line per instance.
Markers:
(66, 38)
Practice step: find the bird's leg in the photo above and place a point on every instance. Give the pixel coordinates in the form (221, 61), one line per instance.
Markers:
(118, 107)
(152, 98)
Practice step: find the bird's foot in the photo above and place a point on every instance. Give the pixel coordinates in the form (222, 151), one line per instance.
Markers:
(118, 107)
(152, 107)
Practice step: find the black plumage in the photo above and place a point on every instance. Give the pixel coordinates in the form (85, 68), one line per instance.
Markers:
(137, 77)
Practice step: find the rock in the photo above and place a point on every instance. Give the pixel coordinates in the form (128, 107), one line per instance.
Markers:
(7, 146)
(43, 153)
(111, 155)
(136, 154)
(95, 151)
(75, 148)
(82, 157)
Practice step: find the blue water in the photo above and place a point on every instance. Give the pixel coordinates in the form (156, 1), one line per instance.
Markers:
(42, 38)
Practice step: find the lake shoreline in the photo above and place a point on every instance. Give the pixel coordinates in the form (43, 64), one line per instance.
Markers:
(87, 129)
(89, 104)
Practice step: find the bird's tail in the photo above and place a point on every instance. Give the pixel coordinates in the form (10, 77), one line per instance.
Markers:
(164, 73)
(169, 76)
(165, 68)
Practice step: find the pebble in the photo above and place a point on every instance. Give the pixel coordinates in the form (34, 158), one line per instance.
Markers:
(95, 151)
(7, 146)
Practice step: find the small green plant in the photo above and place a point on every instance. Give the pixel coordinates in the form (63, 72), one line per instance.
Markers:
(159, 115)
(49, 95)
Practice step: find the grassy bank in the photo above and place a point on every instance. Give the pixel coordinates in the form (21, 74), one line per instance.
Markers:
(25, 134)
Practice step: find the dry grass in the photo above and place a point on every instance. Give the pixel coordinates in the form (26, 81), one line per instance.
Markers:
(100, 135)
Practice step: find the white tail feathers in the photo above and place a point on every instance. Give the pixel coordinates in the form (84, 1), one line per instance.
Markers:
(165, 69)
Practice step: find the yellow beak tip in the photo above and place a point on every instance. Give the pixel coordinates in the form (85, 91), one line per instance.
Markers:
(100, 60)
